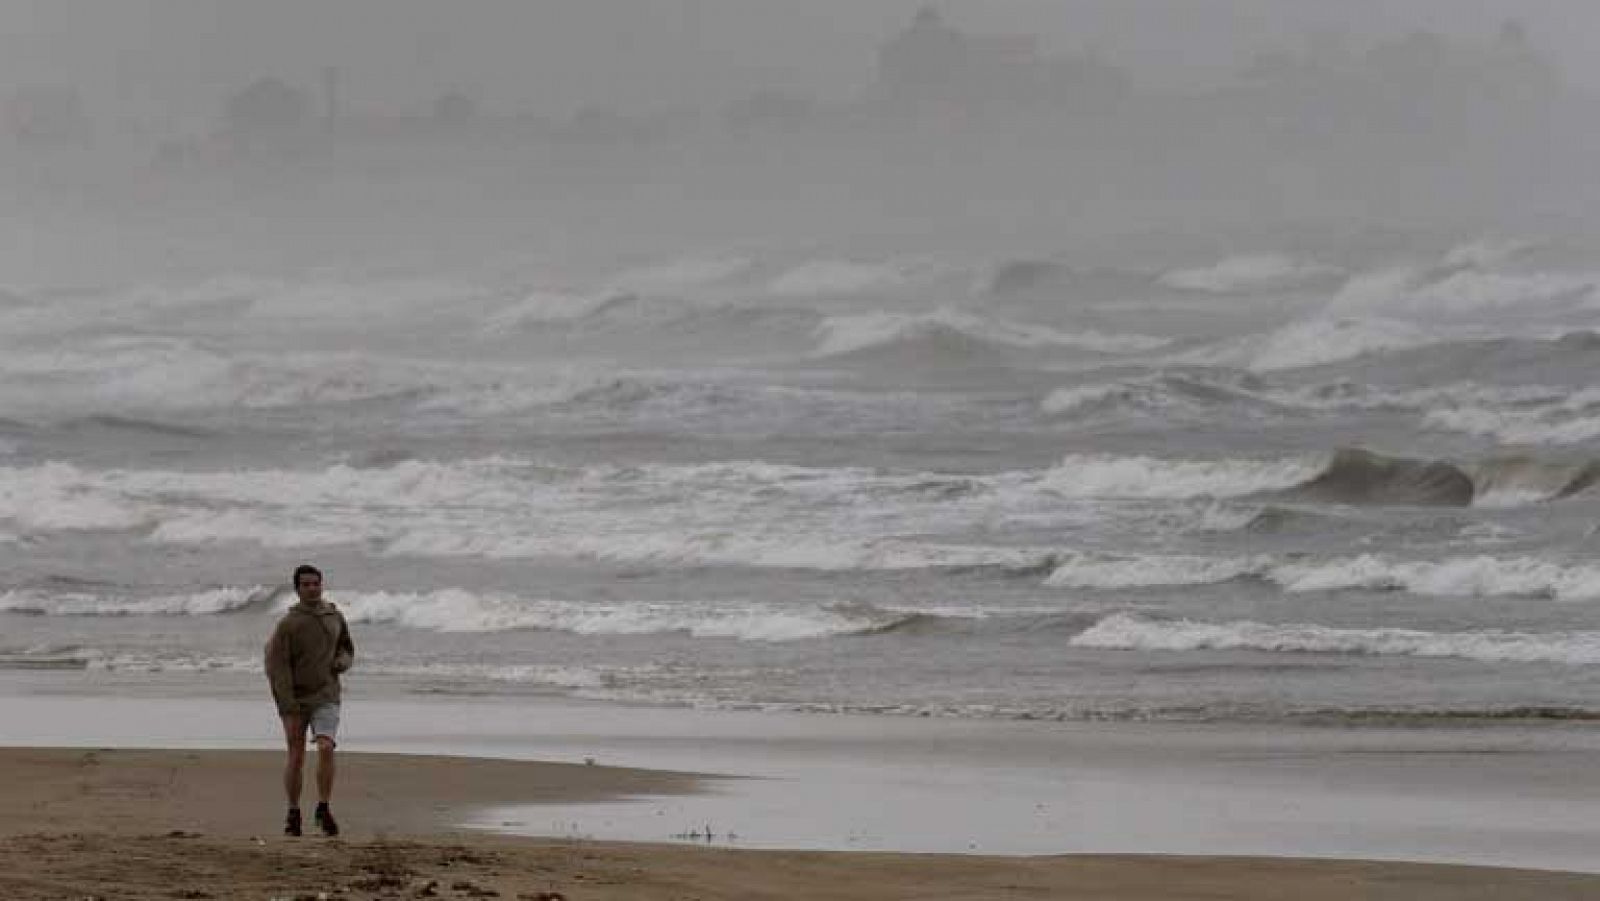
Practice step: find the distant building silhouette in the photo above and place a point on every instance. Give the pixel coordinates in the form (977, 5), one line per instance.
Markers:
(1520, 64)
(454, 110)
(268, 109)
(928, 58)
(1421, 75)
(932, 61)
(1508, 71)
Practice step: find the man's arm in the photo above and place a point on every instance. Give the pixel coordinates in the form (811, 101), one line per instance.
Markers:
(344, 653)
(280, 671)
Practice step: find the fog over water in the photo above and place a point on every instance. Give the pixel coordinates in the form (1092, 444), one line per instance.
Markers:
(1080, 360)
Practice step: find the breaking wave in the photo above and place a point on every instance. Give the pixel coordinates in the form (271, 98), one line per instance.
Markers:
(1128, 632)
(456, 610)
(1356, 476)
(1462, 291)
(461, 611)
(737, 514)
(542, 308)
(1457, 576)
(1331, 340)
(168, 374)
(1510, 414)
(202, 603)
(1469, 296)
(1112, 476)
(1168, 395)
(955, 333)
(1251, 273)
(1347, 476)
(1089, 571)
(142, 379)
(1515, 481)
(1475, 576)
(1560, 418)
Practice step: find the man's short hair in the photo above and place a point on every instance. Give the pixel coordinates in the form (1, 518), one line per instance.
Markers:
(306, 569)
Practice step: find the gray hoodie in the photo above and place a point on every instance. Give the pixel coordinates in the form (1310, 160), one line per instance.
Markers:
(305, 655)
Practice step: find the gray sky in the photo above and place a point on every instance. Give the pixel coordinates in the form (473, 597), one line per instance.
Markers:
(551, 56)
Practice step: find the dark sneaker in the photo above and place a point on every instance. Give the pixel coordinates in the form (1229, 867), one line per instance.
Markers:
(291, 824)
(325, 820)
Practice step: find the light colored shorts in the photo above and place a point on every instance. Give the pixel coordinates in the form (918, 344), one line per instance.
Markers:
(324, 720)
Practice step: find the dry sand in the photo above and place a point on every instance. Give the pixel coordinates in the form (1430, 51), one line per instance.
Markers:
(205, 824)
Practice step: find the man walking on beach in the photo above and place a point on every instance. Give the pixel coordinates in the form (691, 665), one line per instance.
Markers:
(308, 650)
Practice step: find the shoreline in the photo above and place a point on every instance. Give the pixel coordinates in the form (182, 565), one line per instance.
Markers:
(1499, 796)
(189, 823)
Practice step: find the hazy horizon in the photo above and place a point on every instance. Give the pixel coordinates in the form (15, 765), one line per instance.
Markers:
(179, 58)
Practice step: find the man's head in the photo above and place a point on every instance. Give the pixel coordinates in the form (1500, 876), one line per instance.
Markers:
(308, 583)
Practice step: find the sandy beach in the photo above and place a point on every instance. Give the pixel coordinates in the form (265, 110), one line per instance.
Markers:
(147, 824)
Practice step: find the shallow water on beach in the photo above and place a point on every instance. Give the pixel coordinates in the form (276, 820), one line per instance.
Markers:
(1507, 795)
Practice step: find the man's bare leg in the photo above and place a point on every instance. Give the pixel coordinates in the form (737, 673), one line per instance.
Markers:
(325, 768)
(325, 764)
(294, 734)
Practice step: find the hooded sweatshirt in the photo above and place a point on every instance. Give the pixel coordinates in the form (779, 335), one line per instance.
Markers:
(305, 655)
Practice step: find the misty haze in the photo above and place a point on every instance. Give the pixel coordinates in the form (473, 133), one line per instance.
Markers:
(1224, 368)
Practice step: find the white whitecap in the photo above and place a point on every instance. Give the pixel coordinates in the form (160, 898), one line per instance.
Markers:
(1128, 632)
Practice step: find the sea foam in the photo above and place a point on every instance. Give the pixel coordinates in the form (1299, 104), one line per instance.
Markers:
(1135, 633)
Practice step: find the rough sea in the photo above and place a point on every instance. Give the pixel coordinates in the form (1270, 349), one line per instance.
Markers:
(1339, 482)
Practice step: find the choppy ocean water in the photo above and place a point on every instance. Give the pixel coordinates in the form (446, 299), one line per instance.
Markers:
(1324, 485)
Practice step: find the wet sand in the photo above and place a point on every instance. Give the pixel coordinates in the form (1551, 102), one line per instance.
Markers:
(147, 824)
(239, 793)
